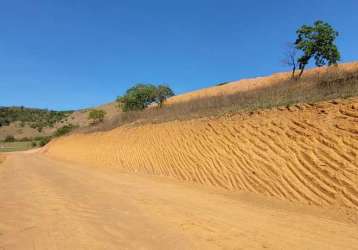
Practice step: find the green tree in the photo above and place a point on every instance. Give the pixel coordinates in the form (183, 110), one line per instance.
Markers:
(96, 116)
(162, 93)
(142, 95)
(137, 97)
(318, 42)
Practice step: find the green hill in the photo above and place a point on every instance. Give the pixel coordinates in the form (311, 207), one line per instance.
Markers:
(34, 118)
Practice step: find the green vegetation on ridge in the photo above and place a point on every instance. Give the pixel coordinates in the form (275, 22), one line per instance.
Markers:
(96, 116)
(35, 118)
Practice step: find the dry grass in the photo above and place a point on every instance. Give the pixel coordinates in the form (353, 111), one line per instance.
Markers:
(15, 146)
(319, 84)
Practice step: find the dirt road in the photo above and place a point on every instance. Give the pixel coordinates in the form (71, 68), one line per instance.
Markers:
(46, 204)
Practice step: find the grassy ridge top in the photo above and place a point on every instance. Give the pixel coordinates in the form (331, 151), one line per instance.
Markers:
(248, 95)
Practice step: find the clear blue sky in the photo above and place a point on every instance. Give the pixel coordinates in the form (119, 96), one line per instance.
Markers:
(70, 54)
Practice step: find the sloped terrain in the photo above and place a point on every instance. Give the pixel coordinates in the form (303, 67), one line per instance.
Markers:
(310, 76)
(318, 84)
(22, 122)
(306, 153)
(247, 94)
(31, 126)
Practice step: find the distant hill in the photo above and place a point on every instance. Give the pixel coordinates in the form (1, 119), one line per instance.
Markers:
(35, 118)
(29, 122)
(23, 122)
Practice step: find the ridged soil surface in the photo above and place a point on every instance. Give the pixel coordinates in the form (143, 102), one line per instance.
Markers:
(305, 153)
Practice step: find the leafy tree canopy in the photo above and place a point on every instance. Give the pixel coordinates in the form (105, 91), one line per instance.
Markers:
(162, 93)
(142, 95)
(318, 42)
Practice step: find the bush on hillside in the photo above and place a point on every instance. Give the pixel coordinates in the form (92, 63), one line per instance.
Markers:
(23, 139)
(96, 116)
(44, 141)
(9, 138)
(64, 130)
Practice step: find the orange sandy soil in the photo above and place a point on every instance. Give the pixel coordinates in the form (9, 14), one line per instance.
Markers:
(49, 204)
(306, 153)
(285, 178)
(2, 158)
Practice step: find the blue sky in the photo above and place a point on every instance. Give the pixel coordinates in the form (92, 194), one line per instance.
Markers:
(72, 54)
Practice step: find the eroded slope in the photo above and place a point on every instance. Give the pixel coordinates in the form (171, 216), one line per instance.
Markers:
(304, 153)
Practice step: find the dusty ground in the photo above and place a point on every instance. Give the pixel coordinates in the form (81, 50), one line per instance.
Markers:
(47, 204)
(306, 153)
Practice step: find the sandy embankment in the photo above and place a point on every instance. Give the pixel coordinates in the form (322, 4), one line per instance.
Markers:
(307, 153)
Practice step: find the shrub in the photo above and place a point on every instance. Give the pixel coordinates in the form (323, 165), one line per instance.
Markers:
(44, 141)
(34, 144)
(38, 138)
(24, 139)
(96, 116)
(222, 83)
(9, 138)
(64, 130)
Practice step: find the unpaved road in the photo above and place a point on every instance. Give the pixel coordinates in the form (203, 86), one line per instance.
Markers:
(47, 204)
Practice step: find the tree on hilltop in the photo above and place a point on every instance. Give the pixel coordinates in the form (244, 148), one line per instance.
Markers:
(141, 96)
(163, 92)
(290, 58)
(318, 42)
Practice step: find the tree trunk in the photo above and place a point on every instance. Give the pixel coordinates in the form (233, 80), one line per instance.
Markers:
(293, 72)
(302, 67)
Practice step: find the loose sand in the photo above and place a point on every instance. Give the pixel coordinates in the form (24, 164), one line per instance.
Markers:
(285, 178)
(305, 153)
(47, 204)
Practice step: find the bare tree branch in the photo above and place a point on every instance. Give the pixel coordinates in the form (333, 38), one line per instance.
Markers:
(290, 57)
